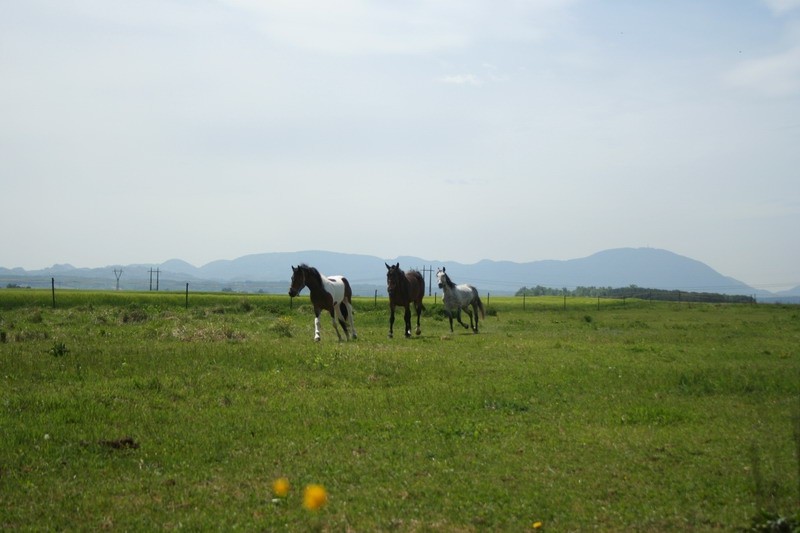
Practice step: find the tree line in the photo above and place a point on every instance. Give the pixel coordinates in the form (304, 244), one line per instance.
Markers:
(634, 291)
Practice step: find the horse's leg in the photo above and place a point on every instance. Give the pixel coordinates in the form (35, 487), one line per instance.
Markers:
(407, 319)
(418, 309)
(391, 319)
(335, 324)
(351, 319)
(475, 311)
(343, 322)
(458, 314)
(316, 325)
(450, 315)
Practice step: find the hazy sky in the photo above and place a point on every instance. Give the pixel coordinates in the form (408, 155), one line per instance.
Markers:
(140, 131)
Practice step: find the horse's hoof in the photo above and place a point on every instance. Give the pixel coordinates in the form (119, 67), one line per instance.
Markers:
(419, 332)
(391, 335)
(355, 337)
(408, 334)
(316, 339)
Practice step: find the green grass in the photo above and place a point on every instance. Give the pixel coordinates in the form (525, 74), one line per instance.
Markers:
(129, 411)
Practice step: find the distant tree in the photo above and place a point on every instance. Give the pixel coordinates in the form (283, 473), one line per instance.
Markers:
(634, 291)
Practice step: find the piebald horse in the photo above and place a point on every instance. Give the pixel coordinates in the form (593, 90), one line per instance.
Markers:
(331, 293)
(404, 288)
(458, 297)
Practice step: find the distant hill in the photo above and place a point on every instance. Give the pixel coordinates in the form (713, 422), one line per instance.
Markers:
(270, 272)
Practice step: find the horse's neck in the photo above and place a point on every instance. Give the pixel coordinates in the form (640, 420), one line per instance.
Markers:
(402, 282)
(315, 286)
(447, 290)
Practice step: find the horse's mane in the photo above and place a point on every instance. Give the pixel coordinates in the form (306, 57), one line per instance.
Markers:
(312, 271)
(398, 276)
(449, 281)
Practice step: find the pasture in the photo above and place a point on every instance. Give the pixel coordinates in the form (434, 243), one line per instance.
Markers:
(128, 411)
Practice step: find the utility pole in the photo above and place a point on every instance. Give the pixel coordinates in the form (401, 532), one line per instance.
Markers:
(118, 273)
(157, 272)
(429, 271)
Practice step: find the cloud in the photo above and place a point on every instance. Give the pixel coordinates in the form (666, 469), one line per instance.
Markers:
(462, 79)
(490, 74)
(782, 6)
(776, 76)
(364, 27)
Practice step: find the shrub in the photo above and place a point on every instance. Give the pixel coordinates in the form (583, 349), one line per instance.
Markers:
(765, 522)
(136, 314)
(59, 349)
(282, 326)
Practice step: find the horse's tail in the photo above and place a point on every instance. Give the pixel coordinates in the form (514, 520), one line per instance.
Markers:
(348, 292)
(479, 303)
(420, 288)
(346, 306)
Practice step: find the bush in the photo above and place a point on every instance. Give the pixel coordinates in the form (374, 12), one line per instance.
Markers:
(137, 314)
(765, 522)
(59, 349)
(282, 326)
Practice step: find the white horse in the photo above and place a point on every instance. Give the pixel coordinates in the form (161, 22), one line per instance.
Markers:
(458, 297)
(333, 294)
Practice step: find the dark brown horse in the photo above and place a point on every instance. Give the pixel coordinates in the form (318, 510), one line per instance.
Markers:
(404, 288)
(333, 294)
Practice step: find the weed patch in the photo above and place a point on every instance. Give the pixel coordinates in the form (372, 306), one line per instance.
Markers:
(637, 417)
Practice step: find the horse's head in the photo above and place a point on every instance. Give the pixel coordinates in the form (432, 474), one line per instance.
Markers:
(441, 277)
(394, 277)
(298, 281)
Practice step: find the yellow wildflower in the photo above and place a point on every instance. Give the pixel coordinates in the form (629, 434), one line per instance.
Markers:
(280, 487)
(314, 497)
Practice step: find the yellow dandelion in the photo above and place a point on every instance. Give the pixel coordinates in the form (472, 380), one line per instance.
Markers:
(280, 487)
(537, 525)
(314, 497)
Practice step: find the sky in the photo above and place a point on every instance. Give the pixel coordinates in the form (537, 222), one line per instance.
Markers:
(519, 130)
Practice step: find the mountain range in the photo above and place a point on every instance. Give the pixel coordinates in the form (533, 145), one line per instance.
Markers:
(270, 272)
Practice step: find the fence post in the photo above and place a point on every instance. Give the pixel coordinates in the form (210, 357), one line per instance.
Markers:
(375, 305)
(523, 300)
(53, 289)
(187, 296)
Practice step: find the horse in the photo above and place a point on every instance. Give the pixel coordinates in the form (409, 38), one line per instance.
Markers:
(331, 293)
(404, 288)
(458, 297)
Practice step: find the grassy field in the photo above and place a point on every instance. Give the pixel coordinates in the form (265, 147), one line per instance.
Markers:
(130, 411)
